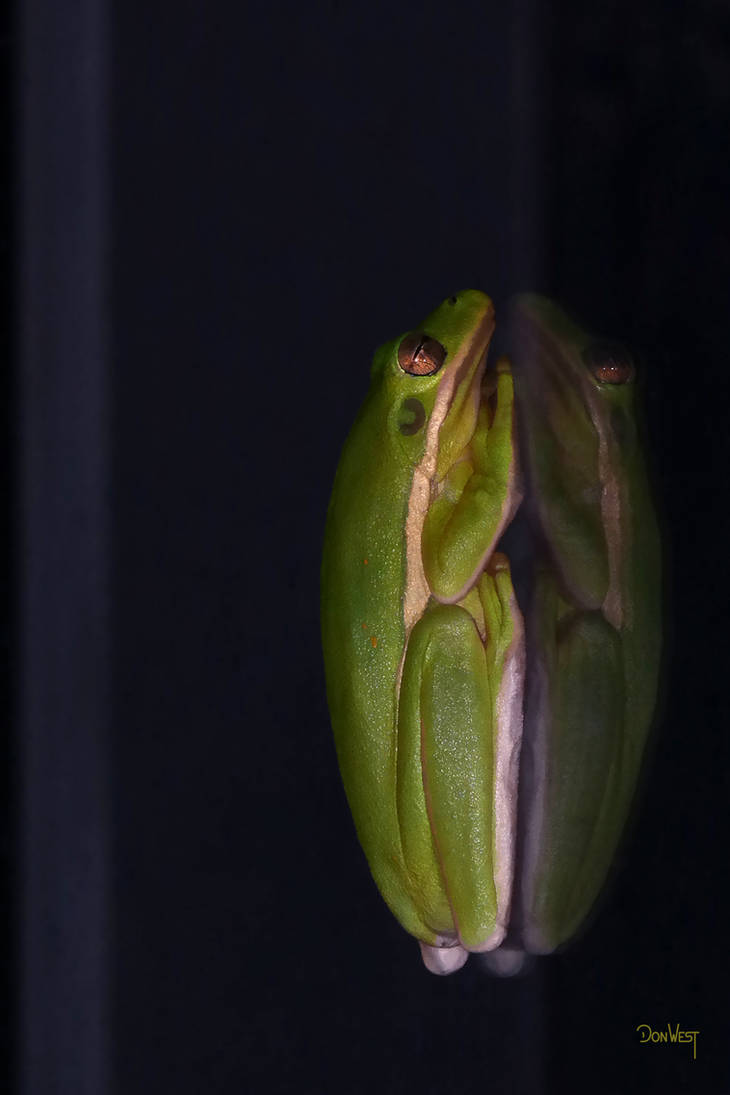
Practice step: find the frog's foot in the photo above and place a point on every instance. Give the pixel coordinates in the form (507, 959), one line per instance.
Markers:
(504, 961)
(443, 960)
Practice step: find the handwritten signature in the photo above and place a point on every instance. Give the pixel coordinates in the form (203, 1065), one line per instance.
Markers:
(669, 1035)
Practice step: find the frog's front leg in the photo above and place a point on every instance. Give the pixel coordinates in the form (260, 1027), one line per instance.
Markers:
(475, 496)
(459, 730)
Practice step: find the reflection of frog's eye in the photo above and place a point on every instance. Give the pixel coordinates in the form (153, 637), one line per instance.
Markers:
(609, 362)
(420, 355)
(411, 416)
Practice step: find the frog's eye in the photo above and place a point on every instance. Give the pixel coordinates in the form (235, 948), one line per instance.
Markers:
(420, 355)
(609, 362)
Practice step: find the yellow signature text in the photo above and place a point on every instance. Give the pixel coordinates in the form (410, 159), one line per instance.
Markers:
(671, 1034)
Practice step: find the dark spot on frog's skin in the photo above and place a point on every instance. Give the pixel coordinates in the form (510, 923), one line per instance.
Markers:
(452, 300)
(411, 416)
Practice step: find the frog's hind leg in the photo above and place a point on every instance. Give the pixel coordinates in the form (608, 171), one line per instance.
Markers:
(445, 783)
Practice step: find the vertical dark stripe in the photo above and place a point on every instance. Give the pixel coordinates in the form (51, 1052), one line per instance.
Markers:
(529, 95)
(63, 551)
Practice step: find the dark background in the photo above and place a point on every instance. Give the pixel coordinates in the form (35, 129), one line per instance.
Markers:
(223, 209)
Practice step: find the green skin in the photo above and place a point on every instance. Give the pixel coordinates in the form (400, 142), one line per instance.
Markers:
(424, 642)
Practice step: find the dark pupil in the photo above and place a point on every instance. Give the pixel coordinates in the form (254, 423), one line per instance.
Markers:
(420, 355)
(608, 361)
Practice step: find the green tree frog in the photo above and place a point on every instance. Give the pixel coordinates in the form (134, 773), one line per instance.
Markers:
(490, 742)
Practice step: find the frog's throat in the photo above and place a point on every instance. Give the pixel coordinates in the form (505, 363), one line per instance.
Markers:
(471, 355)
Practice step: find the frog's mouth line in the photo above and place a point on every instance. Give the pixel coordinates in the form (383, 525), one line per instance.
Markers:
(462, 387)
